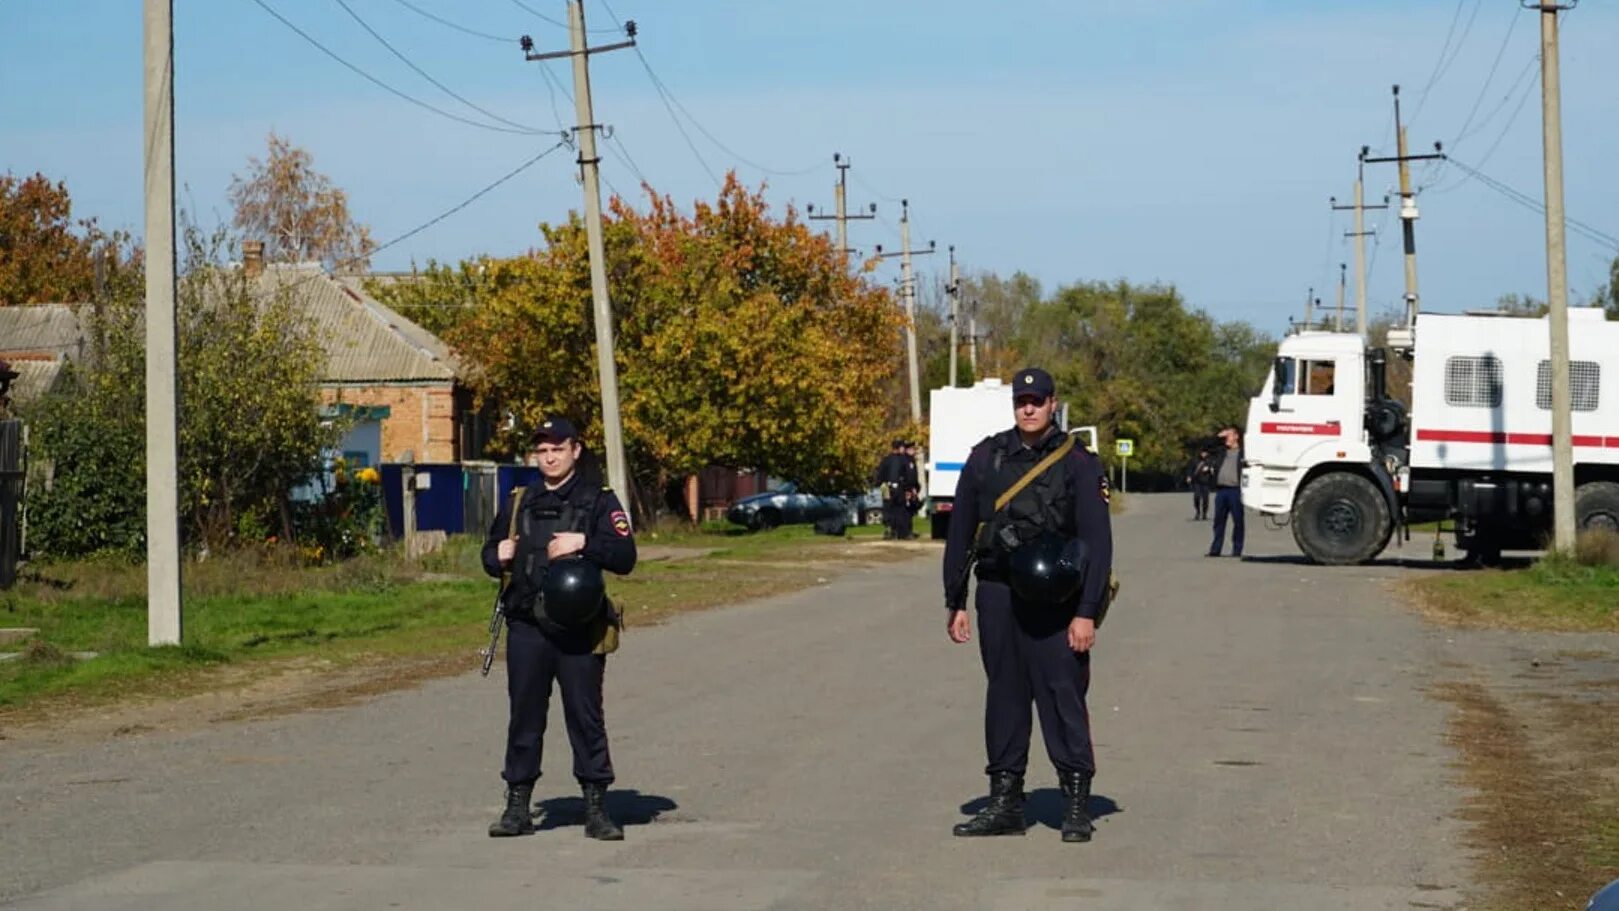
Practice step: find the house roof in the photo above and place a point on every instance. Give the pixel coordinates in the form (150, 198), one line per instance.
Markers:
(39, 331)
(34, 379)
(365, 341)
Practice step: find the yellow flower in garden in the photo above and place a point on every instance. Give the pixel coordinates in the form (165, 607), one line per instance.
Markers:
(369, 475)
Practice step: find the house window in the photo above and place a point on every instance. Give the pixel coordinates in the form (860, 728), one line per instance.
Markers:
(1473, 382)
(1584, 380)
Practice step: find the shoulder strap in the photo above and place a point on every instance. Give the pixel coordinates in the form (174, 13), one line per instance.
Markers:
(1035, 472)
(511, 528)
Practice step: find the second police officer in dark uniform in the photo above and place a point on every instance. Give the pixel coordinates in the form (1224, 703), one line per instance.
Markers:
(1035, 642)
(891, 479)
(560, 625)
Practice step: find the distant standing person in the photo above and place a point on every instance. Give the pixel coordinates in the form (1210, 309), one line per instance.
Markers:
(1201, 477)
(568, 528)
(1228, 492)
(891, 480)
(913, 487)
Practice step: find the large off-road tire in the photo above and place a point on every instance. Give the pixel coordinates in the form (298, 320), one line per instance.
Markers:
(1341, 519)
(766, 519)
(1596, 505)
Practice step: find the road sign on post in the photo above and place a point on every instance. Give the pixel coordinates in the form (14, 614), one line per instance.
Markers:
(1125, 449)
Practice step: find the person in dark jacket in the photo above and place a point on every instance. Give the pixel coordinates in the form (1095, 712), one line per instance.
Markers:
(565, 516)
(913, 488)
(1033, 653)
(1201, 477)
(891, 473)
(1228, 492)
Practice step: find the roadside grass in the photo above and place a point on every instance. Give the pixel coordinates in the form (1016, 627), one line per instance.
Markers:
(1578, 592)
(249, 611)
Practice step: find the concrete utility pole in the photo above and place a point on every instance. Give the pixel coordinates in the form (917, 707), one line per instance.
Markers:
(840, 195)
(1343, 279)
(907, 290)
(972, 339)
(162, 402)
(1563, 519)
(955, 311)
(1309, 310)
(1360, 234)
(606, 368)
(1408, 209)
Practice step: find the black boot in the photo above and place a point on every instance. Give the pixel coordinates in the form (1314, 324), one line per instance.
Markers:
(598, 824)
(1003, 814)
(517, 819)
(1076, 818)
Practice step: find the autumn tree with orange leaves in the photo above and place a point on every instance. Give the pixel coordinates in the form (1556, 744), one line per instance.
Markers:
(742, 339)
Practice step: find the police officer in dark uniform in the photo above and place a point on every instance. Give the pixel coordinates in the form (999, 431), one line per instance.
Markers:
(1033, 651)
(891, 480)
(568, 529)
(913, 488)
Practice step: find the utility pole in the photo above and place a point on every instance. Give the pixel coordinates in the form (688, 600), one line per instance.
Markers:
(606, 369)
(162, 402)
(840, 195)
(1343, 279)
(1359, 234)
(955, 311)
(1309, 311)
(1563, 518)
(907, 290)
(1408, 208)
(972, 339)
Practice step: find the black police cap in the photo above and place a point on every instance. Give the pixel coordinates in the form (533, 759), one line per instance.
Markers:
(553, 430)
(1033, 381)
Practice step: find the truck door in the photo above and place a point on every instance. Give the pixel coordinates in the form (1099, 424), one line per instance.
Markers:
(1314, 402)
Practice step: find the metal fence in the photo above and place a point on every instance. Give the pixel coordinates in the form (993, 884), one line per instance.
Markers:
(12, 470)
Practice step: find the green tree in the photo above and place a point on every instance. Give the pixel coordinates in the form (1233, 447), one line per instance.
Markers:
(1607, 296)
(249, 427)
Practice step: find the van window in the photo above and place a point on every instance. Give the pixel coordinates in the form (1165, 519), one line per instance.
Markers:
(1473, 382)
(1584, 380)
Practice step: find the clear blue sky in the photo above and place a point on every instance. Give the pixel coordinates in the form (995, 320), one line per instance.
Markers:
(1187, 141)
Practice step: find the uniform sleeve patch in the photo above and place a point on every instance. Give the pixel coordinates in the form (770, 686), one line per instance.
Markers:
(1102, 489)
(621, 523)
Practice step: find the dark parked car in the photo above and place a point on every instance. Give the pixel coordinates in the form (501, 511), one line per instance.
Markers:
(785, 506)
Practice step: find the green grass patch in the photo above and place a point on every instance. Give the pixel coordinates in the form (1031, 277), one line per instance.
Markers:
(1555, 593)
(248, 608)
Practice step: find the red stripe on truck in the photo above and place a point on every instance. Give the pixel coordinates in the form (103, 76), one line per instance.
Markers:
(1509, 438)
(1330, 429)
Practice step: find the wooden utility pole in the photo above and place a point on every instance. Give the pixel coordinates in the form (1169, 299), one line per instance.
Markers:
(589, 162)
(955, 312)
(1408, 209)
(163, 607)
(1564, 524)
(840, 196)
(907, 290)
(1359, 234)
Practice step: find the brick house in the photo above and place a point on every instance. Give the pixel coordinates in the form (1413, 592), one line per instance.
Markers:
(400, 380)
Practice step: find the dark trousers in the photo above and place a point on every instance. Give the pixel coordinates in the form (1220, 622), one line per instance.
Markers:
(1227, 502)
(1027, 660)
(897, 517)
(533, 661)
(1200, 500)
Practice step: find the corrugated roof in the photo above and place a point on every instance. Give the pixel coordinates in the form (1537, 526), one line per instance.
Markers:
(34, 379)
(365, 341)
(39, 329)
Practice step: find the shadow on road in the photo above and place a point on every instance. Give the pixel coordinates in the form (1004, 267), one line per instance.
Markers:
(1045, 806)
(627, 807)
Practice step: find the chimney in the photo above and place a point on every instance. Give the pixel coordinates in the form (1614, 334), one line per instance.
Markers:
(252, 258)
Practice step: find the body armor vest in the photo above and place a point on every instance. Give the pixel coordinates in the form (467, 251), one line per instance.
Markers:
(1044, 505)
(535, 526)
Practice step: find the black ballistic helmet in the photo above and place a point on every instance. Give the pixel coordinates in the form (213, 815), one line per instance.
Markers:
(572, 592)
(1048, 569)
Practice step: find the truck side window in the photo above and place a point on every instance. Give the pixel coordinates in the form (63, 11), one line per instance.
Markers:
(1286, 376)
(1319, 377)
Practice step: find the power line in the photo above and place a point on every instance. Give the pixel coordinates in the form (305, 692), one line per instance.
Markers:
(555, 21)
(1529, 202)
(551, 88)
(873, 190)
(383, 85)
(1506, 130)
(1489, 78)
(666, 92)
(445, 22)
(1443, 64)
(1506, 98)
(612, 138)
(425, 75)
